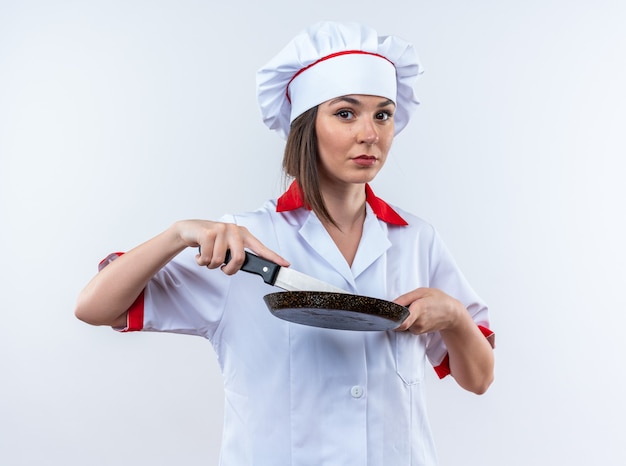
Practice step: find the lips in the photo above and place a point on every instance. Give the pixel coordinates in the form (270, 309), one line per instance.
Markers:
(365, 160)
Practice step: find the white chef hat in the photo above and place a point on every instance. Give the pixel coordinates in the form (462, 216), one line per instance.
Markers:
(331, 59)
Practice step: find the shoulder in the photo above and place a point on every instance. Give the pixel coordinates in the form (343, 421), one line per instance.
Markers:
(419, 234)
(261, 214)
(267, 214)
(266, 224)
(415, 222)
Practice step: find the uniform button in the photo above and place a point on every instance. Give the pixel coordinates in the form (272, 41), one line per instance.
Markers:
(356, 391)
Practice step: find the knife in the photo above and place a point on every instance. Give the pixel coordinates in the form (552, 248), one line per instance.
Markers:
(283, 277)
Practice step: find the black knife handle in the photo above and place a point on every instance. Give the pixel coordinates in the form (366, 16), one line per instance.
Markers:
(268, 270)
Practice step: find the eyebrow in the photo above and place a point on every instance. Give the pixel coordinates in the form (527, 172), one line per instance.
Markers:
(353, 101)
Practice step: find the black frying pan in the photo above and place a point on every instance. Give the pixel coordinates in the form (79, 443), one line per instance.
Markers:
(326, 309)
(336, 310)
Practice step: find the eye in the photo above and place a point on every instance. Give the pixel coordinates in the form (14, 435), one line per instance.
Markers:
(384, 115)
(345, 114)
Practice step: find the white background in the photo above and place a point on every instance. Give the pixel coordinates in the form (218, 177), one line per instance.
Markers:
(119, 117)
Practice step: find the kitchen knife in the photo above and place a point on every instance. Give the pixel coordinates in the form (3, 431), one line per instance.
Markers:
(283, 277)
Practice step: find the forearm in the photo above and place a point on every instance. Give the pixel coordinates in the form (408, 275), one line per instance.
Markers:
(470, 354)
(107, 297)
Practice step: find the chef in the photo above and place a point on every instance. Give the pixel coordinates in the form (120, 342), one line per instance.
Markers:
(298, 394)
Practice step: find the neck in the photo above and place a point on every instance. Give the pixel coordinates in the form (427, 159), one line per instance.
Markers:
(346, 205)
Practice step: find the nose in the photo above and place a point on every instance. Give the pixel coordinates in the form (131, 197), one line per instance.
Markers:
(368, 133)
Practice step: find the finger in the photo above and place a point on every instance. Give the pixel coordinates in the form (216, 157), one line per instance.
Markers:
(234, 259)
(205, 253)
(412, 326)
(409, 298)
(407, 323)
(262, 251)
(213, 245)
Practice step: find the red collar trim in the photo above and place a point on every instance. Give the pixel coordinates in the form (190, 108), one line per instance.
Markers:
(292, 199)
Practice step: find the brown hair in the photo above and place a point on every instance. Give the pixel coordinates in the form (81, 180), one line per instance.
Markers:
(300, 162)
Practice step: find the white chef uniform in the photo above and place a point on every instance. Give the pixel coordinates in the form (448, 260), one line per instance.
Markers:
(299, 395)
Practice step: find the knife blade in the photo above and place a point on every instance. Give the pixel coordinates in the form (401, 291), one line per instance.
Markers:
(283, 277)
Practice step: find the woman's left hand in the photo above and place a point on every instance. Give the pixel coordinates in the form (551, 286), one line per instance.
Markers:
(470, 354)
(430, 310)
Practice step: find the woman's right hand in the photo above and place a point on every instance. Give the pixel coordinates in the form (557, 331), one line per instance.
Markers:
(107, 297)
(215, 238)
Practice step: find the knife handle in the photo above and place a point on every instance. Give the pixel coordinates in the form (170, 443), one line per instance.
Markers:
(268, 270)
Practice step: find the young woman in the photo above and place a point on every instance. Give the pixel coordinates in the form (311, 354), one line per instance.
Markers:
(295, 394)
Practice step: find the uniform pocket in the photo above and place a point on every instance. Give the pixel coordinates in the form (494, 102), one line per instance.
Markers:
(410, 357)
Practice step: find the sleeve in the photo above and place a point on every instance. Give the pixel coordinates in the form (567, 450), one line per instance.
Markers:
(446, 276)
(181, 298)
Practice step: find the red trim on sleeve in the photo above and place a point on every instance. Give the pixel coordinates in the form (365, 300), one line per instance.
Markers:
(134, 317)
(443, 369)
(108, 259)
(489, 335)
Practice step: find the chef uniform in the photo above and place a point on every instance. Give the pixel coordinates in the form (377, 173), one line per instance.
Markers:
(307, 396)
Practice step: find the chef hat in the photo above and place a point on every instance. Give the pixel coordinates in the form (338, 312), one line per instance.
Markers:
(331, 59)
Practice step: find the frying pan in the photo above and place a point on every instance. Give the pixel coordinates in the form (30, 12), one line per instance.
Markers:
(340, 311)
(332, 308)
